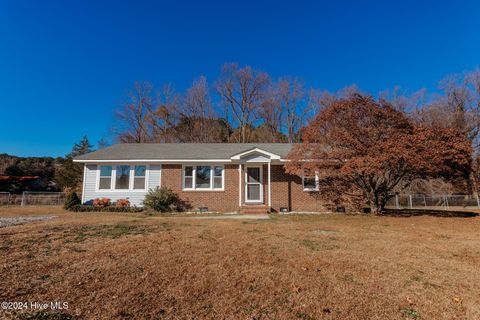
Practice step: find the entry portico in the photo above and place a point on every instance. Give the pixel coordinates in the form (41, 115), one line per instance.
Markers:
(251, 185)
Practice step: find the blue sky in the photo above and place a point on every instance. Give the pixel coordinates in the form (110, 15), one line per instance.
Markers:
(65, 65)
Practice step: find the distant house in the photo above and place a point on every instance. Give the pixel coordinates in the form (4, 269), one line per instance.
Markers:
(222, 177)
(18, 184)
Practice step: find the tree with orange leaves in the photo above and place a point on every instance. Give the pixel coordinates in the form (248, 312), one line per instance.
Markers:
(364, 149)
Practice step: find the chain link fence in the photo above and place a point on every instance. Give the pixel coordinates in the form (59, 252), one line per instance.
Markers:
(399, 201)
(420, 201)
(4, 198)
(32, 198)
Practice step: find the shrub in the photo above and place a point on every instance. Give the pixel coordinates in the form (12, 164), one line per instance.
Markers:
(121, 203)
(163, 200)
(71, 200)
(89, 208)
(101, 202)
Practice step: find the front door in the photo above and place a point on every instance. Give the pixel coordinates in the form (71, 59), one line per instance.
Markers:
(253, 185)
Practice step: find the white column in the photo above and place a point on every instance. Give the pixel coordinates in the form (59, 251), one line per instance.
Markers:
(269, 187)
(239, 184)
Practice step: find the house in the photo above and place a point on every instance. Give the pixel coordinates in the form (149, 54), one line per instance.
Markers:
(18, 184)
(223, 177)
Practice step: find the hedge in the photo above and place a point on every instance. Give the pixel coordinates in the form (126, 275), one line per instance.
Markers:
(88, 208)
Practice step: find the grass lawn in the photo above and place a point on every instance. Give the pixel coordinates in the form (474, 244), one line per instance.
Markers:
(124, 266)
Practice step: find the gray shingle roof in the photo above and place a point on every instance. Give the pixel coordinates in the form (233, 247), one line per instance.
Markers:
(181, 151)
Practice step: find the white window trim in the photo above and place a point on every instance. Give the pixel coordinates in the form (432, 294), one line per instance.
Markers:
(194, 176)
(114, 175)
(260, 183)
(317, 183)
(132, 177)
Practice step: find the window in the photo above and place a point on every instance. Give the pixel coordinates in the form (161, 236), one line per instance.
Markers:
(105, 182)
(139, 177)
(188, 178)
(218, 177)
(203, 177)
(310, 181)
(122, 177)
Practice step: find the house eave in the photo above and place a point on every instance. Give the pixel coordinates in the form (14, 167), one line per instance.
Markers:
(242, 154)
(152, 160)
(166, 160)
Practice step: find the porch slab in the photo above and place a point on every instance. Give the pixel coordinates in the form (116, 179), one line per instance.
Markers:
(235, 217)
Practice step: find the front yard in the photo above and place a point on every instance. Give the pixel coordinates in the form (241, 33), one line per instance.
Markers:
(123, 266)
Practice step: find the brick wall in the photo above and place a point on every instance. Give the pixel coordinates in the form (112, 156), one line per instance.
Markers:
(221, 201)
(287, 190)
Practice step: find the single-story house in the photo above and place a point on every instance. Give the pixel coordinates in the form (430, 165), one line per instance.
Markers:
(223, 177)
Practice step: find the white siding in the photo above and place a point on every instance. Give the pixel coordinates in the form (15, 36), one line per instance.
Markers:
(255, 157)
(154, 176)
(135, 197)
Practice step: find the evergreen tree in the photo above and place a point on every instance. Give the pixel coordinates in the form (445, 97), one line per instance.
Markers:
(80, 148)
(69, 174)
(71, 200)
(102, 143)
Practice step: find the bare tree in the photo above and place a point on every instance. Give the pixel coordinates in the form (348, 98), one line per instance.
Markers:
(272, 115)
(243, 91)
(136, 115)
(456, 100)
(319, 100)
(198, 107)
(165, 115)
(457, 107)
(198, 121)
(197, 99)
(473, 80)
(290, 95)
(396, 98)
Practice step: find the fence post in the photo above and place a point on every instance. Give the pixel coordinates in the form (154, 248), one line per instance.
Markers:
(410, 202)
(397, 203)
(23, 199)
(425, 201)
(445, 202)
(478, 201)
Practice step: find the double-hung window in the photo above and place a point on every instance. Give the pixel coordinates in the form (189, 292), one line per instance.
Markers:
(218, 177)
(188, 177)
(105, 180)
(122, 177)
(139, 174)
(203, 177)
(310, 181)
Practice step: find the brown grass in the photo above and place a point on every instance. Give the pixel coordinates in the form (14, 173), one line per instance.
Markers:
(123, 266)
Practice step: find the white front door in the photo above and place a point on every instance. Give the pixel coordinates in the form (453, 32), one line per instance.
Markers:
(253, 184)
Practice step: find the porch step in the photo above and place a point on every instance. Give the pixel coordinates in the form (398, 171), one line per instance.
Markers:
(254, 209)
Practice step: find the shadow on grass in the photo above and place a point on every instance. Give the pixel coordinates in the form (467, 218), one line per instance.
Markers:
(426, 212)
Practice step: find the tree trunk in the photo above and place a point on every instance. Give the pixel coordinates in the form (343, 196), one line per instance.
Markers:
(377, 203)
(375, 209)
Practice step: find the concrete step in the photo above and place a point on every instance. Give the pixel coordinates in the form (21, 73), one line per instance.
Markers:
(254, 209)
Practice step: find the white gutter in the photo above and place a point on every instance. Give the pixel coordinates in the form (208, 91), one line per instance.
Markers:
(164, 161)
(155, 160)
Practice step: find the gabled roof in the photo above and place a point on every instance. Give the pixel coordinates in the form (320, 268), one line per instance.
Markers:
(255, 150)
(183, 151)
